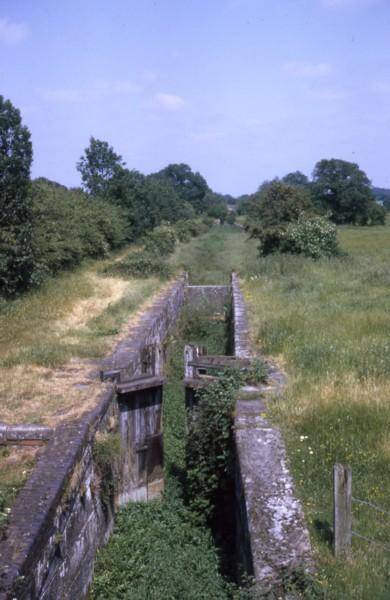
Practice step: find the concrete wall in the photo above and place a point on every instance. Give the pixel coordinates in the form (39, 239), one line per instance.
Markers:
(216, 296)
(65, 511)
(271, 536)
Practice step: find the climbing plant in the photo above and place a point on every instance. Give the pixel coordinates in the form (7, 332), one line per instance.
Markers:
(209, 451)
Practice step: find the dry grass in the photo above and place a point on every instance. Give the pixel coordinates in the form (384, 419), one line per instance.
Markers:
(52, 340)
(106, 291)
(35, 393)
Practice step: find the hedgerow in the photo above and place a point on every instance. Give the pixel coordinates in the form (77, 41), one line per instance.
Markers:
(68, 227)
(140, 264)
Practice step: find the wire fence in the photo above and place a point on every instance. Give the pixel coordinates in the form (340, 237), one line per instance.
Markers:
(342, 513)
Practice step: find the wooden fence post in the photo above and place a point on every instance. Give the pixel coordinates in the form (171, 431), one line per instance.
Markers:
(342, 510)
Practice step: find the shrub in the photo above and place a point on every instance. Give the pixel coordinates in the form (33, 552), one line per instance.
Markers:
(106, 452)
(310, 236)
(376, 214)
(231, 218)
(160, 241)
(209, 448)
(185, 230)
(69, 227)
(140, 264)
(272, 209)
(207, 223)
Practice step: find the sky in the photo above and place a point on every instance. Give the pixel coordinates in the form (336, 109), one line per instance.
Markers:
(241, 90)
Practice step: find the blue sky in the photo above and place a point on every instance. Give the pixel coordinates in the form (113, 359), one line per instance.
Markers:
(241, 90)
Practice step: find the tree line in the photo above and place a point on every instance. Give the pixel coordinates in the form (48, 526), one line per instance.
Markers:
(338, 189)
(46, 227)
(299, 216)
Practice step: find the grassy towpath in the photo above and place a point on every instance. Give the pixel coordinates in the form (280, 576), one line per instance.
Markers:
(50, 340)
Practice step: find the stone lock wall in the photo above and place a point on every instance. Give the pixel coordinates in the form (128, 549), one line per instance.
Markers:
(272, 540)
(64, 512)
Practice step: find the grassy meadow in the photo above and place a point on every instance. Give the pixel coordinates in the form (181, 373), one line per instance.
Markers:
(328, 324)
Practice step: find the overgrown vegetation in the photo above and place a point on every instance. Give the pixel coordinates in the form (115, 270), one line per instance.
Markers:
(327, 323)
(209, 448)
(106, 452)
(140, 264)
(163, 549)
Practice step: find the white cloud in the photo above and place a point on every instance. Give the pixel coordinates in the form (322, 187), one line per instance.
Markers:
(380, 87)
(87, 94)
(169, 101)
(12, 33)
(305, 69)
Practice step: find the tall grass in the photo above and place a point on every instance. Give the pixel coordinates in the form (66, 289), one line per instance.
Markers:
(328, 322)
(211, 258)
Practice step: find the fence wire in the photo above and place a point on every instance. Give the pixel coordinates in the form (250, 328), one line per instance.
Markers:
(365, 502)
(370, 540)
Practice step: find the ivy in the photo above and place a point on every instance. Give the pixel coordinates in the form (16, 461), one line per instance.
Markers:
(209, 445)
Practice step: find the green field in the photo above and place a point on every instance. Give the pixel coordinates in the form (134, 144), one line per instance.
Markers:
(328, 324)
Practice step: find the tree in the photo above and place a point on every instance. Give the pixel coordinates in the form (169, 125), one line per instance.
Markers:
(190, 186)
(216, 206)
(272, 209)
(344, 190)
(296, 178)
(16, 261)
(98, 166)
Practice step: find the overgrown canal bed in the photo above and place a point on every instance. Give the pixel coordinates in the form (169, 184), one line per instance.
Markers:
(165, 548)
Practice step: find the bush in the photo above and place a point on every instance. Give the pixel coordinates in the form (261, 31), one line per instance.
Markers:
(310, 236)
(185, 230)
(160, 241)
(68, 227)
(140, 264)
(376, 214)
(231, 218)
(272, 209)
(209, 450)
